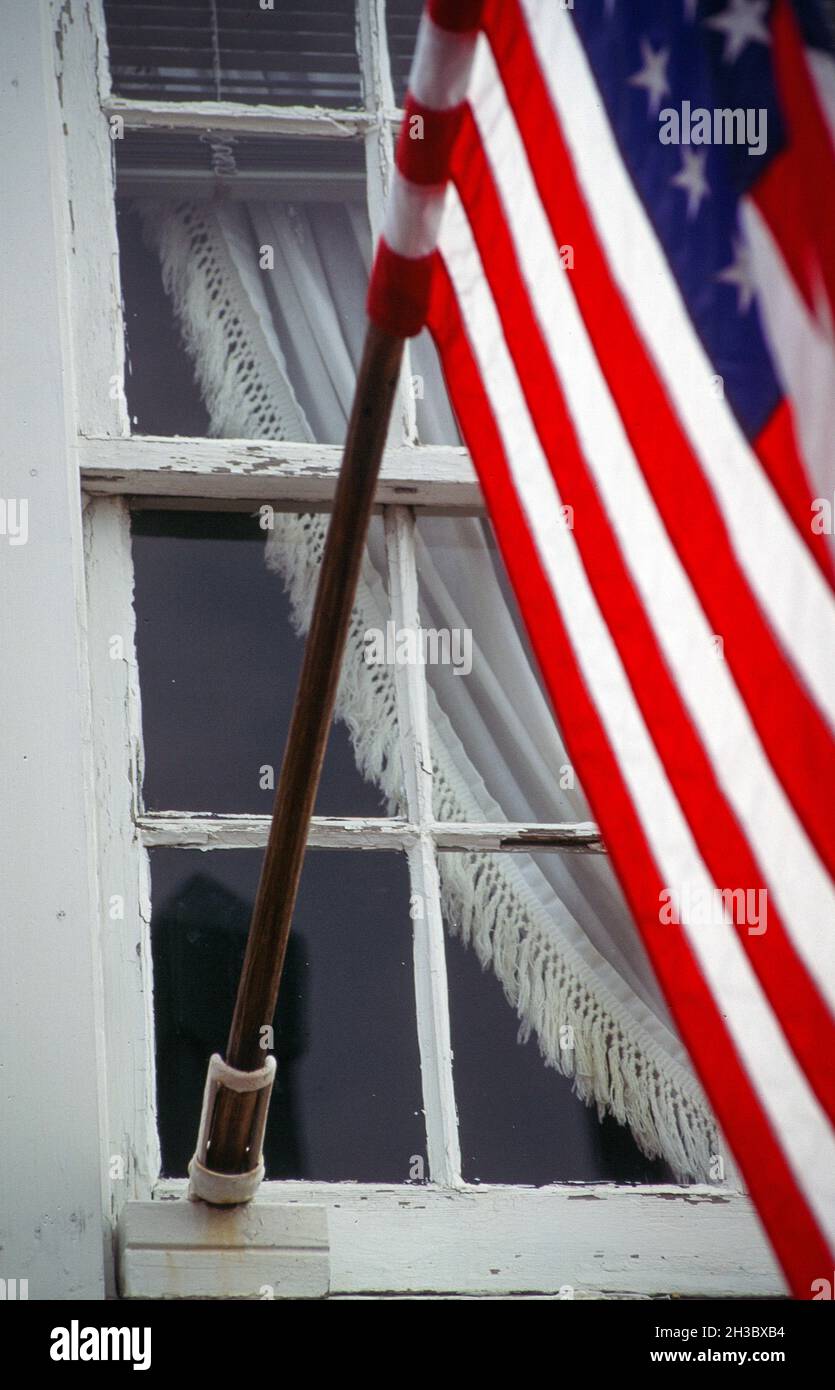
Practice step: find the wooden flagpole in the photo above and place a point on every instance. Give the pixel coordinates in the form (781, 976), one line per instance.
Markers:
(230, 1126)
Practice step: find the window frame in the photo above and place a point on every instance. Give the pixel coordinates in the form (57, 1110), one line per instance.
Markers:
(470, 1240)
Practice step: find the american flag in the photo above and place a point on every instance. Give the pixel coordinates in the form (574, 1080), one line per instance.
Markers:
(617, 218)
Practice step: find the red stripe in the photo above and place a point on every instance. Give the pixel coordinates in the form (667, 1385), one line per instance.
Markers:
(796, 194)
(777, 450)
(459, 16)
(425, 142)
(776, 195)
(566, 208)
(773, 693)
(398, 292)
(804, 1016)
(795, 1236)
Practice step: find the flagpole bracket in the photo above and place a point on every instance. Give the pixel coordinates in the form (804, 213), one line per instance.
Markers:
(230, 1189)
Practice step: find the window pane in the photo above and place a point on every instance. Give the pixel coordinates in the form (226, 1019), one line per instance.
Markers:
(519, 1119)
(235, 50)
(274, 313)
(162, 394)
(219, 660)
(402, 18)
(347, 1100)
(278, 283)
(436, 423)
(495, 713)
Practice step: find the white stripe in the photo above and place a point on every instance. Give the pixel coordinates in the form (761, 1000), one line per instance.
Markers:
(802, 889)
(802, 355)
(793, 593)
(441, 66)
(413, 216)
(822, 68)
(802, 1129)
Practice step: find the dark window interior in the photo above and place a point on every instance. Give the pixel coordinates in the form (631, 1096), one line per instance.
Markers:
(347, 1102)
(162, 394)
(219, 660)
(402, 19)
(519, 1121)
(347, 1099)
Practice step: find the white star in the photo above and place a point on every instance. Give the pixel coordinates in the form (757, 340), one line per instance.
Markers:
(741, 23)
(653, 75)
(740, 273)
(691, 177)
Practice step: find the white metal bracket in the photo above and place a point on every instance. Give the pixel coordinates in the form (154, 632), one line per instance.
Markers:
(228, 1189)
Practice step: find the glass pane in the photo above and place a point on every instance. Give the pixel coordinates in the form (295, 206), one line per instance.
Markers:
(402, 18)
(492, 712)
(519, 1120)
(347, 1100)
(219, 660)
(162, 394)
(296, 264)
(436, 423)
(235, 50)
(274, 313)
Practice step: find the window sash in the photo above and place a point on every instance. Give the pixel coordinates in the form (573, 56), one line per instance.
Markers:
(316, 470)
(229, 472)
(417, 834)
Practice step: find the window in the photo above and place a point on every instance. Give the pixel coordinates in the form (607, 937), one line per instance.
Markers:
(218, 669)
(449, 1236)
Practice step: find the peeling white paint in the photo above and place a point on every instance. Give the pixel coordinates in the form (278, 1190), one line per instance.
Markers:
(431, 992)
(597, 1241)
(289, 474)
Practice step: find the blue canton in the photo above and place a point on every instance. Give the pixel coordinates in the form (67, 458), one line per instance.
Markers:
(653, 56)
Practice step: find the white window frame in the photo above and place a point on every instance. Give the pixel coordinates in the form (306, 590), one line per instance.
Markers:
(446, 1237)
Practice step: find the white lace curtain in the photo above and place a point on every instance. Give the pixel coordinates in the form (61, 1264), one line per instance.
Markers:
(270, 300)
